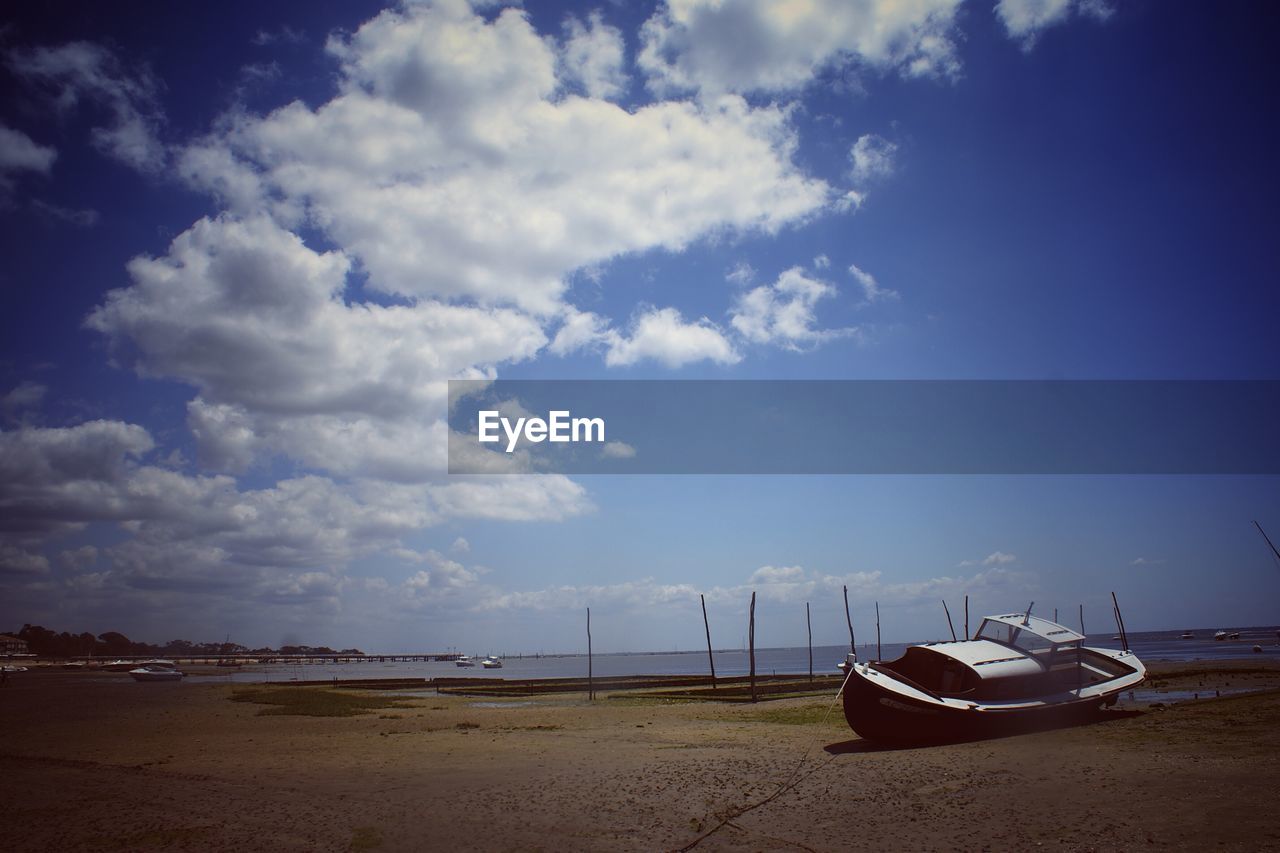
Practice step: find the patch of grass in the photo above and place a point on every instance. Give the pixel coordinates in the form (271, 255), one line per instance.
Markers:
(365, 838)
(803, 715)
(314, 702)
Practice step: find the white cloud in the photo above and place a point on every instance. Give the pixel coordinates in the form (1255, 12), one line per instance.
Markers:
(83, 72)
(617, 450)
(1025, 20)
(663, 335)
(871, 158)
(821, 262)
(460, 546)
(783, 313)
(871, 289)
(592, 57)
(1146, 561)
(714, 46)
(18, 152)
(284, 363)
(449, 167)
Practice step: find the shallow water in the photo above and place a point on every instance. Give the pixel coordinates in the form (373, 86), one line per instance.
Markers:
(1148, 646)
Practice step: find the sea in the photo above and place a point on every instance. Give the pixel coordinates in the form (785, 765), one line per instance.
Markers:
(1148, 646)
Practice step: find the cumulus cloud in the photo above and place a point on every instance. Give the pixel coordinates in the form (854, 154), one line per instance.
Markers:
(85, 73)
(712, 46)
(617, 450)
(19, 153)
(449, 166)
(782, 313)
(664, 336)
(592, 57)
(1025, 20)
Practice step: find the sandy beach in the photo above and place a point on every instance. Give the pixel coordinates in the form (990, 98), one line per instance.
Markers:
(107, 764)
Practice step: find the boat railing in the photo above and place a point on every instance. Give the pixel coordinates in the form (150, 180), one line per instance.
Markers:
(897, 676)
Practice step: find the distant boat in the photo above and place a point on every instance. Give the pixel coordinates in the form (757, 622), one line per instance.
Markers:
(158, 663)
(1221, 635)
(120, 665)
(1234, 635)
(1187, 635)
(1018, 671)
(491, 662)
(230, 662)
(155, 673)
(464, 661)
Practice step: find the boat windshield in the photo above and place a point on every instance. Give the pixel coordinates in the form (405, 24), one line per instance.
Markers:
(1012, 635)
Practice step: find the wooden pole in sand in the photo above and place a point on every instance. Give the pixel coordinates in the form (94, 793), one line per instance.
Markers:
(1124, 636)
(751, 639)
(591, 682)
(710, 659)
(1081, 618)
(853, 645)
(809, 625)
(947, 611)
(1055, 614)
(879, 655)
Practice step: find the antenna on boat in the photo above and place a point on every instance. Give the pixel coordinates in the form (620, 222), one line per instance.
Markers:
(1124, 637)
(946, 610)
(1026, 620)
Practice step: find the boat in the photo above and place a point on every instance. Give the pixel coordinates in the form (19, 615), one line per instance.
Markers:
(1019, 673)
(491, 662)
(228, 662)
(120, 665)
(1234, 635)
(1187, 635)
(464, 661)
(1221, 635)
(155, 673)
(157, 663)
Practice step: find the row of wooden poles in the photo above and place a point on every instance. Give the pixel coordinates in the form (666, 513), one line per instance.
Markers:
(853, 646)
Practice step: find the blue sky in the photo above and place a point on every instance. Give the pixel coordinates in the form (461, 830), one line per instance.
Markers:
(244, 251)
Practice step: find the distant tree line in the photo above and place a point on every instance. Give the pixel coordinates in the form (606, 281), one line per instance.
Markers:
(46, 643)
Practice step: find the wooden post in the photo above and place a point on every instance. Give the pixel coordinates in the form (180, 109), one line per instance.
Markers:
(591, 683)
(1055, 614)
(853, 645)
(1124, 635)
(952, 628)
(966, 616)
(879, 654)
(809, 626)
(1081, 618)
(710, 659)
(751, 640)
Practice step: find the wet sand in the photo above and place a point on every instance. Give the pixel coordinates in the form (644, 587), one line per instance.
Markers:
(95, 763)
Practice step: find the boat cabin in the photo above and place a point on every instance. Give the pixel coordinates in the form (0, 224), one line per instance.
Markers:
(1011, 656)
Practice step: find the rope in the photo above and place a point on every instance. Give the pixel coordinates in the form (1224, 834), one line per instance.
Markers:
(791, 782)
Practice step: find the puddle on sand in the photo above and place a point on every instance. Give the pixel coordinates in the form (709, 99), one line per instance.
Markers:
(1139, 698)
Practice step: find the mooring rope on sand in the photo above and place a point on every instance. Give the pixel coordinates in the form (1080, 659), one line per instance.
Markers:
(790, 782)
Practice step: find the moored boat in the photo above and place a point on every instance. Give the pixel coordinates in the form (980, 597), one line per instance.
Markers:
(155, 673)
(464, 661)
(491, 662)
(1020, 672)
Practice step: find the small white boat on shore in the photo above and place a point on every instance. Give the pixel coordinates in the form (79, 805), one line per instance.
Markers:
(491, 662)
(1019, 672)
(156, 673)
(464, 661)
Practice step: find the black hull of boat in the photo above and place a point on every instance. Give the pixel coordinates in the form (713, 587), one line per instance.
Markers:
(881, 715)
